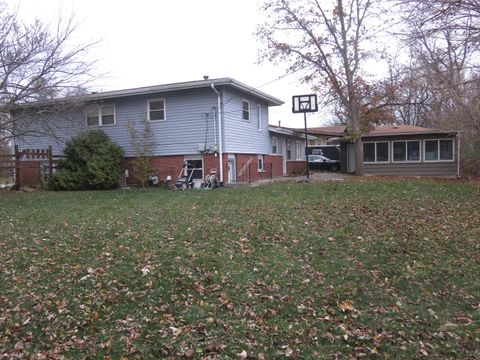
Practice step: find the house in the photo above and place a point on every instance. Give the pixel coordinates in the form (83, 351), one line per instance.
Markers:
(290, 145)
(217, 124)
(402, 150)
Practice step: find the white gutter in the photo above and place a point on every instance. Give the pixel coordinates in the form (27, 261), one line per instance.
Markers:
(220, 143)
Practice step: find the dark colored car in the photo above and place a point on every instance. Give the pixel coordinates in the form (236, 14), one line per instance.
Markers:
(319, 162)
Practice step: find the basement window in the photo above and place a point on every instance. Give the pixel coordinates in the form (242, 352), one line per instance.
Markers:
(261, 165)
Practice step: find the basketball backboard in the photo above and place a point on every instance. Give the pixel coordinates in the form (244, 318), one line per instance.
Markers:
(304, 103)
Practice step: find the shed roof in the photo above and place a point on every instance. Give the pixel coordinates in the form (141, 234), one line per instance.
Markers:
(381, 130)
(393, 130)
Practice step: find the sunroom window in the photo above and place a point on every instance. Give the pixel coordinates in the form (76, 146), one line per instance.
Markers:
(406, 151)
(439, 150)
(376, 152)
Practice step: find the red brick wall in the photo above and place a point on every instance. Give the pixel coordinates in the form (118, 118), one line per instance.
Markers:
(244, 172)
(272, 167)
(277, 164)
(172, 165)
(295, 167)
(210, 161)
(163, 166)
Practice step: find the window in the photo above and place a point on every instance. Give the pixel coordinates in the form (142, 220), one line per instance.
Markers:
(439, 150)
(298, 150)
(156, 110)
(406, 151)
(260, 163)
(376, 152)
(194, 166)
(274, 145)
(368, 152)
(100, 115)
(259, 119)
(245, 110)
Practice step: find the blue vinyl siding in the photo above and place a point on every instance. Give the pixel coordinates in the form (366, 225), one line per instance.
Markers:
(189, 122)
(64, 126)
(243, 136)
(190, 116)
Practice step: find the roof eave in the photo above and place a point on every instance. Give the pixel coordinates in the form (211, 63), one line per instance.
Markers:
(416, 133)
(272, 101)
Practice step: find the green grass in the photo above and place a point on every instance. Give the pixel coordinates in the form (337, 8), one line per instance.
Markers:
(385, 268)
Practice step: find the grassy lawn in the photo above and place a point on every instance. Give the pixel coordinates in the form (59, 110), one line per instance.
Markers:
(378, 269)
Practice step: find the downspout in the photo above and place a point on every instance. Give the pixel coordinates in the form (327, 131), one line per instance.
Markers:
(220, 142)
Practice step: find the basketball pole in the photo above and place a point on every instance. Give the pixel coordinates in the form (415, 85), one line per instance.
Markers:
(305, 103)
(306, 144)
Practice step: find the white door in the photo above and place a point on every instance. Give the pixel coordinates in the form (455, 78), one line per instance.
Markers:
(284, 153)
(232, 171)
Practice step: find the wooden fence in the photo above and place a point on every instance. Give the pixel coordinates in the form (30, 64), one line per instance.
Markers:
(25, 166)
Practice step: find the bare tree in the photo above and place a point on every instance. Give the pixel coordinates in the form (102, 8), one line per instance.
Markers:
(38, 64)
(444, 41)
(461, 14)
(327, 42)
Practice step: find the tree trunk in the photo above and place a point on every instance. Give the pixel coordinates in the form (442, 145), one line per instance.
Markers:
(359, 158)
(355, 119)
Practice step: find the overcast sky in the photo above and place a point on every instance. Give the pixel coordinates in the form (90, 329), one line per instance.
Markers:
(151, 42)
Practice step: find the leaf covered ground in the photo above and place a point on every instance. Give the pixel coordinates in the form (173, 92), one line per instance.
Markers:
(373, 269)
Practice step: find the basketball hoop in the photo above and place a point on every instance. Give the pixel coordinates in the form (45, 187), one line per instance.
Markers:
(304, 104)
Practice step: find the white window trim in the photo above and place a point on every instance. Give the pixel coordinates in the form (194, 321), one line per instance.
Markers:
(262, 168)
(274, 139)
(100, 116)
(378, 162)
(438, 148)
(164, 110)
(406, 161)
(259, 120)
(249, 112)
(298, 154)
(192, 157)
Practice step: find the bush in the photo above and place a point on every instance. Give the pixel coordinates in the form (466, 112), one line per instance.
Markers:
(92, 162)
